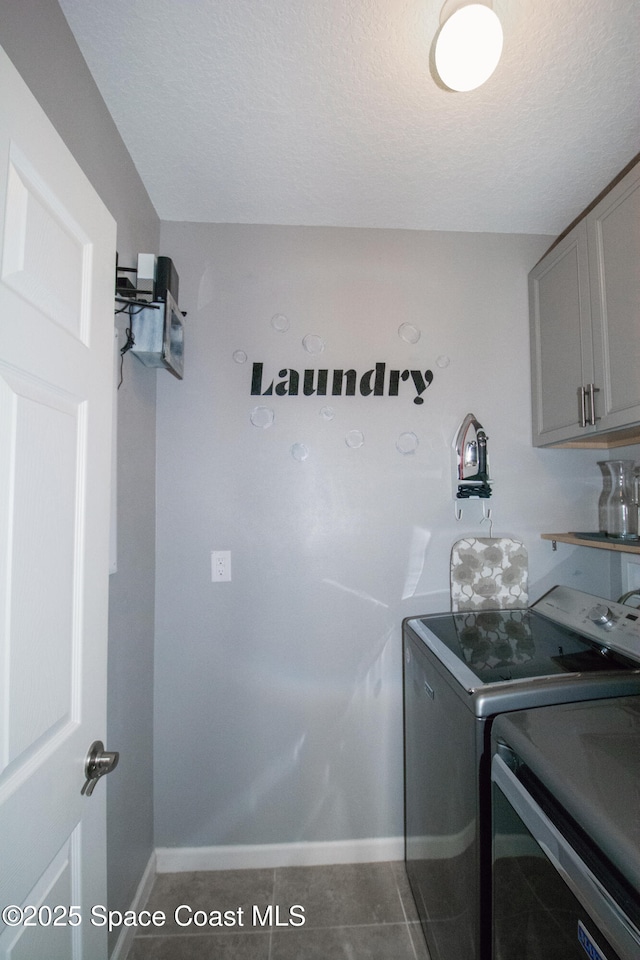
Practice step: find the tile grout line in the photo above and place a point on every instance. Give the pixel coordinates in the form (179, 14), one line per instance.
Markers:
(256, 933)
(273, 900)
(404, 914)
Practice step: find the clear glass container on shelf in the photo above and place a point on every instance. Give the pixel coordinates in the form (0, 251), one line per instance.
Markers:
(604, 496)
(619, 513)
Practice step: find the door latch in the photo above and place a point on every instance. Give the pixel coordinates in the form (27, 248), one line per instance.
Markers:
(99, 762)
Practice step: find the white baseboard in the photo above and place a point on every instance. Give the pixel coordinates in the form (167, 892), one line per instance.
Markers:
(249, 856)
(123, 944)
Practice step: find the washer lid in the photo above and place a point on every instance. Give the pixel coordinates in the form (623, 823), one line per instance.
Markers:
(503, 646)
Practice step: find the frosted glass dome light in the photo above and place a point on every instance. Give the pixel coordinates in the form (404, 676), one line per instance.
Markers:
(468, 47)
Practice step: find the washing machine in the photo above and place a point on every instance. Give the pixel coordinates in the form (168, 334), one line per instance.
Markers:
(461, 671)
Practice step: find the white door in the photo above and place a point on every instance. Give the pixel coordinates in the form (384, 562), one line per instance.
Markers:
(57, 263)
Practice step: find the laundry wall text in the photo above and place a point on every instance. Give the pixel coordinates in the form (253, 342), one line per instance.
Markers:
(377, 382)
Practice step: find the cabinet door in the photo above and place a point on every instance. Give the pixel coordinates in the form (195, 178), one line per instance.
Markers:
(561, 341)
(614, 267)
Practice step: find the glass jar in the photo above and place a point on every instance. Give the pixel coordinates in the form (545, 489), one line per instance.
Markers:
(622, 508)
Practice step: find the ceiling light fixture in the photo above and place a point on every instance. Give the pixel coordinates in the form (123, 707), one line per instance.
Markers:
(468, 45)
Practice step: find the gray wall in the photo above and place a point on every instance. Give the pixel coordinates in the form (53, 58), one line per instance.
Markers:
(36, 37)
(278, 695)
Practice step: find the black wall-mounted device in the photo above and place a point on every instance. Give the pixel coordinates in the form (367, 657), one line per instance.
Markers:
(166, 279)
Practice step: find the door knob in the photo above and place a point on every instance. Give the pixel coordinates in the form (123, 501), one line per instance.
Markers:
(99, 762)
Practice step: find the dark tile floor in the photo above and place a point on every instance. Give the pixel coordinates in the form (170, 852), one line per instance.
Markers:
(342, 912)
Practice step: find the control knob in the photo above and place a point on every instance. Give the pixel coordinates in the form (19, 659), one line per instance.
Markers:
(601, 615)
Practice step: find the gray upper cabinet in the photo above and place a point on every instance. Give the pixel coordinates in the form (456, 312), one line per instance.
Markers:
(584, 300)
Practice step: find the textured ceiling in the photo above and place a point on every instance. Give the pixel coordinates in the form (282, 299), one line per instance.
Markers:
(325, 112)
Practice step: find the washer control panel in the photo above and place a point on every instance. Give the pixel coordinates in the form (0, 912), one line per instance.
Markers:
(611, 624)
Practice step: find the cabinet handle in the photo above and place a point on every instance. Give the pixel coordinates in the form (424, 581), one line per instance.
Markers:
(582, 406)
(592, 390)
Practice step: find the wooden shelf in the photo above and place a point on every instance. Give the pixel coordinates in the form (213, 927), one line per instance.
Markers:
(598, 544)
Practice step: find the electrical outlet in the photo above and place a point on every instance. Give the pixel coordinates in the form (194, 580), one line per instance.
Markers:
(220, 566)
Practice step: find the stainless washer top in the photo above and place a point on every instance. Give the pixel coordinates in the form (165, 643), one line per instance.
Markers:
(566, 637)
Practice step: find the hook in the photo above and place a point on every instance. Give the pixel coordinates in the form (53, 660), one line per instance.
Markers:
(486, 515)
(457, 511)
